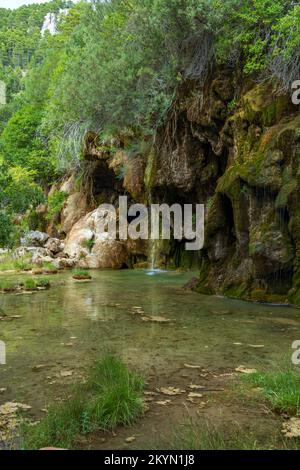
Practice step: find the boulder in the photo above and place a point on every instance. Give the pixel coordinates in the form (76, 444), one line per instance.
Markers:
(64, 263)
(55, 245)
(35, 252)
(41, 260)
(34, 238)
(94, 247)
(106, 254)
(75, 208)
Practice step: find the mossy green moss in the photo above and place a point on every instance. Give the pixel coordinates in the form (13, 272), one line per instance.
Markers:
(204, 285)
(237, 291)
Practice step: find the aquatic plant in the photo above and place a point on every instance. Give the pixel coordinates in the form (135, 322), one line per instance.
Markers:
(30, 284)
(81, 274)
(7, 285)
(42, 282)
(22, 264)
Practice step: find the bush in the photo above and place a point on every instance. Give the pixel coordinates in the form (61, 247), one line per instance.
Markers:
(56, 202)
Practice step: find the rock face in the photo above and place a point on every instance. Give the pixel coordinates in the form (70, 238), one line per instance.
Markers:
(54, 245)
(235, 149)
(35, 238)
(43, 249)
(91, 244)
(240, 157)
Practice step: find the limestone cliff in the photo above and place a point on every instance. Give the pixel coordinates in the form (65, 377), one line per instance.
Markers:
(239, 154)
(233, 145)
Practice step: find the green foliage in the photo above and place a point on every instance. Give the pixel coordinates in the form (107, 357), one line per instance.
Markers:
(111, 397)
(7, 229)
(30, 284)
(114, 68)
(19, 38)
(22, 264)
(117, 398)
(280, 388)
(81, 273)
(56, 201)
(89, 244)
(43, 282)
(7, 285)
(20, 144)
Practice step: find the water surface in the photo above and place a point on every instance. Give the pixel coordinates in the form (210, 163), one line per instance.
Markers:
(63, 330)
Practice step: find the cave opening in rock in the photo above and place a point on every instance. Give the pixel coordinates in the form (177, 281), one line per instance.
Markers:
(229, 218)
(280, 281)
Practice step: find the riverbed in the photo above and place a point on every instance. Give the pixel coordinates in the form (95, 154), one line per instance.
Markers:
(58, 333)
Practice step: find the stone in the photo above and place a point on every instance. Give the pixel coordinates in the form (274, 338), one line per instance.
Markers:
(55, 245)
(35, 252)
(35, 238)
(75, 208)
(39, 259)
(93, 247)
(105, 254)
(64, 263)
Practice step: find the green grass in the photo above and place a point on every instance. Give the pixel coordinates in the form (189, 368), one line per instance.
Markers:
(22, 264)
(111, 396)
(42, 282)
(81, 273)
(6, 285)
(196, 435)
(49, 266)
(8, 263)
(280, 388)
(33, 284)
(117, 397)
(28, 284)
(89, 244)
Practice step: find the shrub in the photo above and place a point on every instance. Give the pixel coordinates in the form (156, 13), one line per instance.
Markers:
(56, 202)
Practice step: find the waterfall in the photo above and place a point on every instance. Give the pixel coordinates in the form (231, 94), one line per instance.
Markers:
(50, 22)
(2, 93)
(154, 247)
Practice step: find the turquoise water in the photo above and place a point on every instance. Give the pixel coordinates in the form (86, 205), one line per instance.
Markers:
(61, 331)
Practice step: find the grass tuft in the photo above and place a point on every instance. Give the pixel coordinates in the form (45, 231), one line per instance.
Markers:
(81, 274)
(280, 388)
(111, 396)
(117, 398)
(196, 435)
